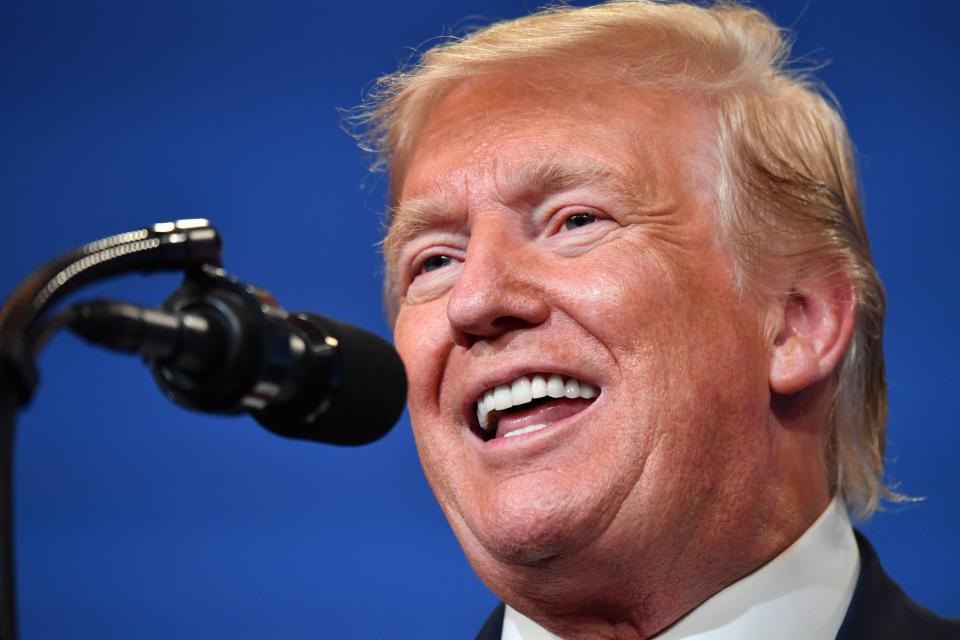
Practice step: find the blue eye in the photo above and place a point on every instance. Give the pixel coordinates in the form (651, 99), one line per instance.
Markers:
(578, 220)
(435, 262)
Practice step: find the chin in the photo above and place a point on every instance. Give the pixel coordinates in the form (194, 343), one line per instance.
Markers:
(531, 521)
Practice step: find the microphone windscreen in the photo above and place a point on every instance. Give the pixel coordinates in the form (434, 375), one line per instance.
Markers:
(365, 402)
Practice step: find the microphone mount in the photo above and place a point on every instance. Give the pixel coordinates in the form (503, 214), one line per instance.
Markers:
(220, 345)
(217, 344)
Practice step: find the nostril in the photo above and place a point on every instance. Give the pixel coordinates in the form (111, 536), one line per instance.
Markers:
(466, 337)
(484, 317)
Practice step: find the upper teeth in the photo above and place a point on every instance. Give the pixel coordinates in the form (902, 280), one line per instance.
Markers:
(527, 388)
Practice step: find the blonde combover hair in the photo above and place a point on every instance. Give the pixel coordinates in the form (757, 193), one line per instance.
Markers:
(786, 195)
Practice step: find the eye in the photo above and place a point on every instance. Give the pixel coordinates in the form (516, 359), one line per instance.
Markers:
(435, 262)
(578, 220)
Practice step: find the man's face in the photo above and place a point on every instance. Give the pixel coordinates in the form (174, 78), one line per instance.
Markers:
(558, 230)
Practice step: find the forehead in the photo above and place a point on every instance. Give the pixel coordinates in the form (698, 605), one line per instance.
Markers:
(507, 128)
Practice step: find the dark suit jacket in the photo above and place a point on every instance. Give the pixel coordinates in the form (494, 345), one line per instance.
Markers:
(879, 610)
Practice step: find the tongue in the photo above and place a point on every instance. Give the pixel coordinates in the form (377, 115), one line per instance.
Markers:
(544, 414)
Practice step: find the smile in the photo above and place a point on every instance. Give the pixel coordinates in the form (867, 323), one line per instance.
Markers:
(530, 403)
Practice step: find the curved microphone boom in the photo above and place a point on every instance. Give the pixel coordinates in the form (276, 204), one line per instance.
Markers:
(223, 346)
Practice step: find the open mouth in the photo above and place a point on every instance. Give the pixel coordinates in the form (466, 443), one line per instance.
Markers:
(530, 403)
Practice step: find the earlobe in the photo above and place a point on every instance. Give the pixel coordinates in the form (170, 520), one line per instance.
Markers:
(813, 327)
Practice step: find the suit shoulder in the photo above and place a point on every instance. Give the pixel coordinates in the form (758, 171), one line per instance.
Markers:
(880, 609)
(493, 627)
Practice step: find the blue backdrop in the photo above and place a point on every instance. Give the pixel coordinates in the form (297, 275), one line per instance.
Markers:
(136, 519)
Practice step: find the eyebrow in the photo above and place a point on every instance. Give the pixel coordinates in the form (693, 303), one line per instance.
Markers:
(413, 216)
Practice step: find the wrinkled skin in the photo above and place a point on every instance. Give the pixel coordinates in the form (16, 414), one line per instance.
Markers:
(678, 479)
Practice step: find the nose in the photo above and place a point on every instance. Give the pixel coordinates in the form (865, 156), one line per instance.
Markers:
(497, 291)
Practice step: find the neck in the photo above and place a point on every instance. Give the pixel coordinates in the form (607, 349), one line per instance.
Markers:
(804, 592)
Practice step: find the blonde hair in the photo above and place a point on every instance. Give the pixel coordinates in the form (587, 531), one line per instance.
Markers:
(787, 189)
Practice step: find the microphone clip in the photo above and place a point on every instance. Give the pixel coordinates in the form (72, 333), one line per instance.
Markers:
(240, 351)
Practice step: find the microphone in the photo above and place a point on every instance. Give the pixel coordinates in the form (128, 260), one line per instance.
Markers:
(219, 345)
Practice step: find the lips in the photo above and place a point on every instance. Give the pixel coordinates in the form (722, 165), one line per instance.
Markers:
(530, 403)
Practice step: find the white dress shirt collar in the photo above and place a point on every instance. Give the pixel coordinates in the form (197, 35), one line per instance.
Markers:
(802, 594)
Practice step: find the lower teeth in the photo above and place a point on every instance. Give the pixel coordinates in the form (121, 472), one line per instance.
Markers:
(528, 429)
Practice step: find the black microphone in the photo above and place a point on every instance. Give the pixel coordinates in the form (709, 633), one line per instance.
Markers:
(222, 346)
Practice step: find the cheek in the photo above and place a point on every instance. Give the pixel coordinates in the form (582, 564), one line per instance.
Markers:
(644, 299)
(630, 300)
(689, 351)
(419, 335)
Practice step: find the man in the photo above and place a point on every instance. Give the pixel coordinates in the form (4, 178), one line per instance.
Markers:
(631, 284)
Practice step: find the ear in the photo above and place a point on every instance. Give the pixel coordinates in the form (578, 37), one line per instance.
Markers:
(812, 328)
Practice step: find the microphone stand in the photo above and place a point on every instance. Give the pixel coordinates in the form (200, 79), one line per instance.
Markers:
(216, 345)
(8, 412)
(25, 329)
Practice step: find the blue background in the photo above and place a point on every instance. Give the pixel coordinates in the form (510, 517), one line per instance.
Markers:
(136, 519)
